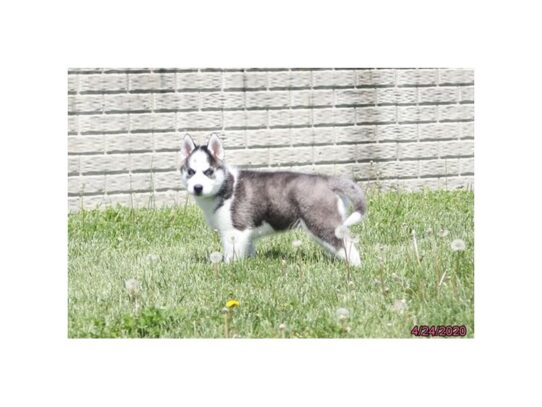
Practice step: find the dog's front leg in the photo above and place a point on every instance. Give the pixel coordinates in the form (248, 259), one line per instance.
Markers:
(236, 244)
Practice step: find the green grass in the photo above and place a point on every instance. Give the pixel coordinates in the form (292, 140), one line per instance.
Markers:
(167, 251)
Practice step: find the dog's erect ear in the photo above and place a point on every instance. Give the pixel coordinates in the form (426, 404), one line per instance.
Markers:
(187, 147)
(214, 145)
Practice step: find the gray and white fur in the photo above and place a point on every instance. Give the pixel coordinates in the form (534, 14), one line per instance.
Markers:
(246, 205)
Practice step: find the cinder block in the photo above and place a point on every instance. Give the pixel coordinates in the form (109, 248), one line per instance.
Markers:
(375, 77)
(152, 81)
(440, 131)
(106, 123)
(222, 100)
(73, 165)
(467, 94)
(334, 78)
(300, 117)
(117, 143)
(380, 114)
(279, 118)
(416, 77)
(103, 83)
(142, 182)
(461, 148)
(94, 201)
(104, 163)
(439, 168)
(73, 124)
(73, 83)
(456, 112)
(245, 80)
(393, 132)
(335, 154)
(154, 161)
(199, 80)
(311, 98)
(328, 116)
(466, 130)
(152, 121)
(127, 102)
(85, 103)
(290, 156)
(456, 76)
(268, 137)
(194, 120)
(263, 99)
(74, 185)
(357, 171)
(355, 97)
(308, 136)
(455, 183)
(235, 138)
(250, 157)
(167, 141)
(74, 204)
(396, 169)
(408, 151)
(375, 152)
(396, 96)
(115, 183)
(466, 166)
(177, 101)
(358, 134)
(245, 119)
(122, 199)
(416, 114)
(287, 79)
(438, 95)
(86, 144)
(92, 184)
(167, 180)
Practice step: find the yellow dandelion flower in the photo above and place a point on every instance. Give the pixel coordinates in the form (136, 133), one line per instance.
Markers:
(232, 304)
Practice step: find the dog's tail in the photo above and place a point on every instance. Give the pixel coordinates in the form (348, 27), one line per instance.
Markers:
(348, 189)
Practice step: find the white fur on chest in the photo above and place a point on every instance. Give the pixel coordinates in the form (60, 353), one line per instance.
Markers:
(217, 219)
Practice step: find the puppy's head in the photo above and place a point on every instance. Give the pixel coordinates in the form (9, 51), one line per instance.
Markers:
(202, 167)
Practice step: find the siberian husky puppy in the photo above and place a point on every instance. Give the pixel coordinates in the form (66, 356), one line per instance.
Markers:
(245, 205)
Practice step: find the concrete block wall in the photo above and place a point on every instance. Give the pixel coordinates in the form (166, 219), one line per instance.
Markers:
(386, 128)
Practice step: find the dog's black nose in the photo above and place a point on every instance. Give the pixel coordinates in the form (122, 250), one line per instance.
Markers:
(198, 189)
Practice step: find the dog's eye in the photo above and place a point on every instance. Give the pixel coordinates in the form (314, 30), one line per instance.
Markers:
(209, 172)
(191, 172)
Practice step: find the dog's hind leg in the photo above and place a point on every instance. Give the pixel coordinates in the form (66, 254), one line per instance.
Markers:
(237, 244)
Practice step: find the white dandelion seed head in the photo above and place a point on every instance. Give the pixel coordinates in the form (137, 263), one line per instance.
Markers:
(215, 257)
(282, 327)
(458, 245)
(133, 286)
(342, 314)
(153, 258)
(296, 243)
(341, 232)
(400, 306)
(444, 232)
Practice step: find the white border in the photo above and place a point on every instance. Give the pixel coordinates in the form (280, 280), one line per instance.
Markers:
(43, 39)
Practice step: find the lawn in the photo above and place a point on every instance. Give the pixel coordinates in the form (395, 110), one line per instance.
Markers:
(147, 273)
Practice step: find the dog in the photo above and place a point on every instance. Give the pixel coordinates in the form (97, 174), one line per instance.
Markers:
(245, 205)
